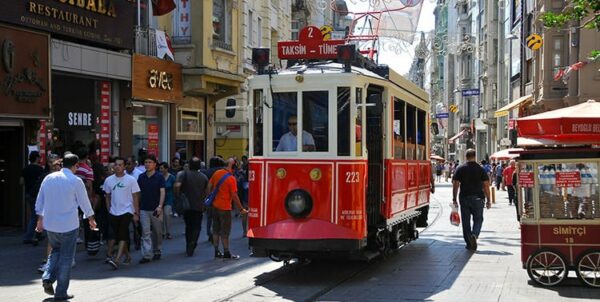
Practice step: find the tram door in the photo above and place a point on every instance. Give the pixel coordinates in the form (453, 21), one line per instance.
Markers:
(375, 152)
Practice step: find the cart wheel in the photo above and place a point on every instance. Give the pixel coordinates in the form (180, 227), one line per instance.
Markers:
(546, 268)
(588, 269)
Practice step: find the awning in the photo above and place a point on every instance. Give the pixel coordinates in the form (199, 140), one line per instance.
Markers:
(504, 110)
(506, 154)
(461, 133)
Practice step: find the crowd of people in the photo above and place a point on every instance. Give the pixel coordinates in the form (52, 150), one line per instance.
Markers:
(115, 203)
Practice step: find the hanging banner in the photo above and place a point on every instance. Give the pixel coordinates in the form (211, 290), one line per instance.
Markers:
(104, 122)
(42, 142)
(153, 139)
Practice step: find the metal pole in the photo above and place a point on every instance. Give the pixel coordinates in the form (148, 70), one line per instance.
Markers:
(139, 12)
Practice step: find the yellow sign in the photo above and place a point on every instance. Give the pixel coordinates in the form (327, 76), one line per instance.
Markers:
(326, 30)
(534, 41)
(454, 108)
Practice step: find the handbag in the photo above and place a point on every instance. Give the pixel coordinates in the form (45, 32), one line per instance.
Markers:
(208, 201)
(182, 203)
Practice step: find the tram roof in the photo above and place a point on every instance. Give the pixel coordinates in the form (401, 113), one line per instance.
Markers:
(330, 67)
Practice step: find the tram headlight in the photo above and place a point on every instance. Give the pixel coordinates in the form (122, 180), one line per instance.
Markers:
(298, 203)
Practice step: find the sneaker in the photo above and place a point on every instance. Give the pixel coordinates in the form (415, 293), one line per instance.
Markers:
(473, 242)
(48, 289)
(114, 265)
(230, 256)
(144, 260)
(218, 254)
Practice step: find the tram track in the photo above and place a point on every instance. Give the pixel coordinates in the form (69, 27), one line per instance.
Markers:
(287, 275)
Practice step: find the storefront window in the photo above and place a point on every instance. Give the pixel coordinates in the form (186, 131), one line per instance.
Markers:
(149, 130)
(569, 190)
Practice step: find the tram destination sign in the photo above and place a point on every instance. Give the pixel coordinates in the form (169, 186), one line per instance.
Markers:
(310, 45)
(106, 22)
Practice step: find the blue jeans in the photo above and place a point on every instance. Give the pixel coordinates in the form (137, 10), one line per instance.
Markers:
(60, 260)
(471, 206)
(30, 229)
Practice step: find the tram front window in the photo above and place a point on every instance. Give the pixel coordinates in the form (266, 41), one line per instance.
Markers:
(313, 125)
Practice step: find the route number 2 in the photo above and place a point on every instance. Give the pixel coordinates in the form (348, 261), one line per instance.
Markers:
(352, 177)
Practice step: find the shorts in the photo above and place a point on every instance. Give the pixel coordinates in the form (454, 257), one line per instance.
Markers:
(120, 226)
(221, 224)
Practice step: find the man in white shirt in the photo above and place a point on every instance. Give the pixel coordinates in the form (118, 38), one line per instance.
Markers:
(61, 193)
(289, 141)
(122, 202)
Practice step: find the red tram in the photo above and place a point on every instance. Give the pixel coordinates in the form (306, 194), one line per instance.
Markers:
(358, 180)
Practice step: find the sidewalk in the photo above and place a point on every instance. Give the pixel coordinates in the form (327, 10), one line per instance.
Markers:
(437, 267)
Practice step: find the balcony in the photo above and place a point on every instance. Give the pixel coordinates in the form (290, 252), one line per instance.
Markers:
(145, 41)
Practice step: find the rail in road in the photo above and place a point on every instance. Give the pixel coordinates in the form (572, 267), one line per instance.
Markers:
(308, 281)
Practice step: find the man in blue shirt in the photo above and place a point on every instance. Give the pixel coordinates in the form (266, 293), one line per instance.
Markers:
(289, 141)
(152, 200)
(61, 193)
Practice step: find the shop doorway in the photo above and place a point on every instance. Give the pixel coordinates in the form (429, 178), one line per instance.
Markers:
(11, 164)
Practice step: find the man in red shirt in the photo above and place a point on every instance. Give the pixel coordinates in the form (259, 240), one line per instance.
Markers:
(222, 207)
(507, 175)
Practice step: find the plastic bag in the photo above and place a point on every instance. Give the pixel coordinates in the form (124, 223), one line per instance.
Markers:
(454, 216)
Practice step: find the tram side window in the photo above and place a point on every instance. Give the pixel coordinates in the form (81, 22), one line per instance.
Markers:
(411, 132)
(258, 122)
(569, 190)
(524, 180)
(399, 127)
(358, 121)
(343, 121)
(315, 121)
(285, 121)
(421, 134)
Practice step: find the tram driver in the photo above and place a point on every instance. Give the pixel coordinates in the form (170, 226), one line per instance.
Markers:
(288, 141)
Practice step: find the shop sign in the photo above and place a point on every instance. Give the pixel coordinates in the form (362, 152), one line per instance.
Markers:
(153, 139)
(156, 79)
(567, 179)
(104, 122)
(107, 22)
(526, 179)
(470, 92)
(24, 73)
(42, 142)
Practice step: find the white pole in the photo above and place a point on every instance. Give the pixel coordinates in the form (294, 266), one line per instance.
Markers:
(138, 13)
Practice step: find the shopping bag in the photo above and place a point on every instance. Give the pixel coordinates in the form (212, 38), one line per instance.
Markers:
(454, 216)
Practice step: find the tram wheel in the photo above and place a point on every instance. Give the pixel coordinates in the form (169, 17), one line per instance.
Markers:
(546, 268)
(588, 269)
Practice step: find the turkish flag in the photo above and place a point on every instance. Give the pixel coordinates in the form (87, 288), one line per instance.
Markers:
(161, 7)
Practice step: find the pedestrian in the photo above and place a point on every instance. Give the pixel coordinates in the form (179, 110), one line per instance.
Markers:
(243, 184)
(130, 169)
(507, 176)
(54, 163)
(169, 198)
(498, 174)
(474, 187)
(438, 171)
(61, 193)
(32, 177)
(175, 166)
(222, 206)
(122, 201)
(192, 183)
(152, 199)
(214, 164)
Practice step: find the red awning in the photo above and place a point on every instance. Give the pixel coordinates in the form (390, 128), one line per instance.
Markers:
(571, 125)
(461, 133)
(506, 154)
